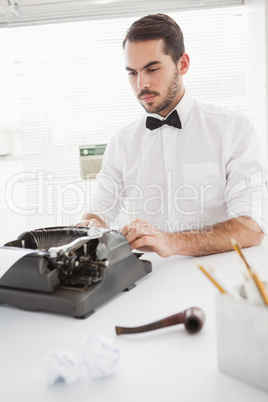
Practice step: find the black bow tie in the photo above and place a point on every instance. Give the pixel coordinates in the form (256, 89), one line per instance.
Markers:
(173, 120)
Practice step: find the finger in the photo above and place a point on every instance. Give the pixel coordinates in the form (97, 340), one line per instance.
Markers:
(151, 243)
(133, 235)
(133, 224)
(125, 230)
(137, 229)
(130, 231)
(83, 223)
(94, 223)
(144, 243)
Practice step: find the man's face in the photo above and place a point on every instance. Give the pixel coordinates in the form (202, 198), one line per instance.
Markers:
(153, 76)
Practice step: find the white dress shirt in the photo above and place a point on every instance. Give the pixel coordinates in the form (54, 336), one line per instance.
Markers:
(210, 170)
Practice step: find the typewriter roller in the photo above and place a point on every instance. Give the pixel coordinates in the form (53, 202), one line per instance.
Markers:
(69, 270)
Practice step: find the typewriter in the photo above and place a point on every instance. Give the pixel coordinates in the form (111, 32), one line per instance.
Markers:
(68, 270)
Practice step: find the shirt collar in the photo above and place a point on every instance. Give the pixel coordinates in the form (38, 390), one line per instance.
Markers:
(183, 108)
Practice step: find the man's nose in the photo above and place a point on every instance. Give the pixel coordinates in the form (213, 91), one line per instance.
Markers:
(143, 82)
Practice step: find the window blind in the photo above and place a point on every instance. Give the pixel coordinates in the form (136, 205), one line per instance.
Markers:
(30, 12)
(72, 89)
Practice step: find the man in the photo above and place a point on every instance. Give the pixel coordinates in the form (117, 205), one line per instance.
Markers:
(192, 183)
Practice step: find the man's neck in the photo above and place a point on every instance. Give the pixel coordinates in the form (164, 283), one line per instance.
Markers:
(164, 113)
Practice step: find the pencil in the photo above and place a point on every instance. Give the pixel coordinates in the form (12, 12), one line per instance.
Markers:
(260, 286)
(210, 277)
(239, 251)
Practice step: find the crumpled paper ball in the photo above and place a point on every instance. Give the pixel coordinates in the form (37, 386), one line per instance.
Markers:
(62, 367)
(99, 360)
(101, 356)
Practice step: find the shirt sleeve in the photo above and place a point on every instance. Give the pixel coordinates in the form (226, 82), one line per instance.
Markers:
(247, 176)
(106, 201)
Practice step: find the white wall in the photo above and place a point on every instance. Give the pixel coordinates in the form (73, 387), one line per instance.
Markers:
(12, 222)
(257, 29)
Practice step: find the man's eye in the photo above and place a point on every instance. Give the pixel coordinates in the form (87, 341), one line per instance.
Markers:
(132, 73)
(152, 70)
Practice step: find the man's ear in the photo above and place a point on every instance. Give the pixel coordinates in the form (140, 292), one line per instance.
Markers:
(183, 64)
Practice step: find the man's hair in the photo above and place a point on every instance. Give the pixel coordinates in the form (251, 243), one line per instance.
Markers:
(158, 26)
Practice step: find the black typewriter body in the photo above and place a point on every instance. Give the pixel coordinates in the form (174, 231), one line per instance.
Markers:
(70, 270)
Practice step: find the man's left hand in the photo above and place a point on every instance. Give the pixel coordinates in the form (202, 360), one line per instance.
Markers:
(144, 237)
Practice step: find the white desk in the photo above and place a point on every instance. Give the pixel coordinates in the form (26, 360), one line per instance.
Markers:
(163, 365)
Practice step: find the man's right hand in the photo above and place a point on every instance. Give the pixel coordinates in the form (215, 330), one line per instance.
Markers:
(91, 220)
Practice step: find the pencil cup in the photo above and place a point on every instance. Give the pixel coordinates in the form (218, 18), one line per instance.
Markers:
(242, 337)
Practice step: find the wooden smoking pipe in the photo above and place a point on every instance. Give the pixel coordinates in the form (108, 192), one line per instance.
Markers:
(193, 319)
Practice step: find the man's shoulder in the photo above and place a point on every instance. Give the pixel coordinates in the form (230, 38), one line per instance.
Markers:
(217, 110)
(223, 115)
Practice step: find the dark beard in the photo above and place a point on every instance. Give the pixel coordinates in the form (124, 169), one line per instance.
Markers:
(172, 91)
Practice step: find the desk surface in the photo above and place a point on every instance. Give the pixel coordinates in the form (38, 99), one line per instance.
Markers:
(163, 365)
